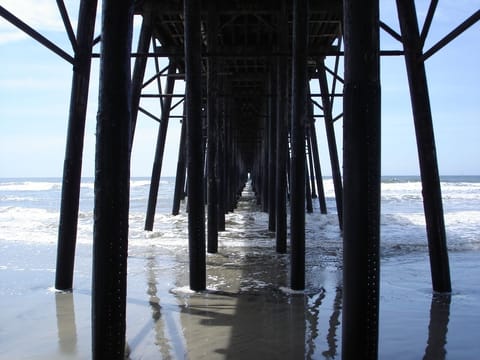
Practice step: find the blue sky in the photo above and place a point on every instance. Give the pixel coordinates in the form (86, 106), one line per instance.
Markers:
(35, 93)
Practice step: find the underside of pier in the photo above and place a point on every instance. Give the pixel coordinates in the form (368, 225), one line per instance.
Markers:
(249, 113)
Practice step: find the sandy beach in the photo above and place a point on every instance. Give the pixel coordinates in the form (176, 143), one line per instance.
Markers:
(248, 312)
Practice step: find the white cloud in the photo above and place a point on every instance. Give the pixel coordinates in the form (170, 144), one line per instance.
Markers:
(42, 15)
(39, 14)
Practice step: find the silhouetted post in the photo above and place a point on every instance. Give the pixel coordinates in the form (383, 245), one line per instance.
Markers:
(282, 136)
(160, 149)
(139, 71)
(112, 183)
(212, 116)
(361, 162)
(299, 114)
(181, 170)
(316, 161)
(308, 190)
(311, 170)
(427, 155)
(332, 144)
(195, 187)
(72, 166)
(272, 147)
(220, 162)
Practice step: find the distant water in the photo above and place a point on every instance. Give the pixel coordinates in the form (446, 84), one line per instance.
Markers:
(29, 212)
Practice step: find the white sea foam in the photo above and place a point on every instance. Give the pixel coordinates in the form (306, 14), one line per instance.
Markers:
(34, 218)
(29, 186)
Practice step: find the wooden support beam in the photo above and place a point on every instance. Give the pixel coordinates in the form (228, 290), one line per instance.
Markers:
(139, 72)
(72, 166)
(318, 170)
(195, 187)
(35, 35)
(181, 170)
(68, 24)
(361, 163)
(332, 143)
(212, 131)
(272, 146)
(159, 152)
(282, 140)
(427, 154)
(299, 115)
(428, 22)
(112, 183)
(452, 35)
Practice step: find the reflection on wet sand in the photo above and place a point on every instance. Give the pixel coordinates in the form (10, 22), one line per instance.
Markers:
(66, 326)
(438, 327)
(159, 326)
(334, 322)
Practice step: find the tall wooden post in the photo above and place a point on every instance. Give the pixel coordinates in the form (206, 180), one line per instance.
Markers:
(361, 162)
(282, 136)
(112, 183)
(316, 161)
(160, 148)
(195, 182)
(181, 169)
(427, 155)
(272, 146)
(212, 119)
(332, 144)
(72, 167)
(299, 114)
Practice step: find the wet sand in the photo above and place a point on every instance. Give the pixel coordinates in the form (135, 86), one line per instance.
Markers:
(247, 311)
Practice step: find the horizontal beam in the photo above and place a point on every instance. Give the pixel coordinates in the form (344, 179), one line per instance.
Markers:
(246, 55)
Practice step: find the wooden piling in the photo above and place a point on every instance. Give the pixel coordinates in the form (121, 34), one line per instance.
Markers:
(112, 183)
(361, 163)
(195, 182)
(332, 143)
(272, 147)
(212, 118)
(316, 162)
(72, 166)
(282, 136)
(427, 155)
(160, 149)
(179, 191)
(299, 114)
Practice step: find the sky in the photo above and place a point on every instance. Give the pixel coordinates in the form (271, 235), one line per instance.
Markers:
(35, 96)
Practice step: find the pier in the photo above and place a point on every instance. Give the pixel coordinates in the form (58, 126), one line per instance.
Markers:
(248, 115)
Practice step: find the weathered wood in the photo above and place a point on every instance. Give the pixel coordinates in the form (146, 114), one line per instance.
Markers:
(159, 151)
(195, 181)
(139, 72)
(212, 127)
(112, 183)
(299, 114)
(282, 136)
(361, 163)
(427, 155)
(272, 147)
(72, 166)
(332, 143)
(179, 192)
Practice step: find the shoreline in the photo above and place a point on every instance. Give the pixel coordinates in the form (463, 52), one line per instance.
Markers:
(244, 313)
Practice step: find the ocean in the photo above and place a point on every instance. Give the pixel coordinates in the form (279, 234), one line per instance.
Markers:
(246, 266)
